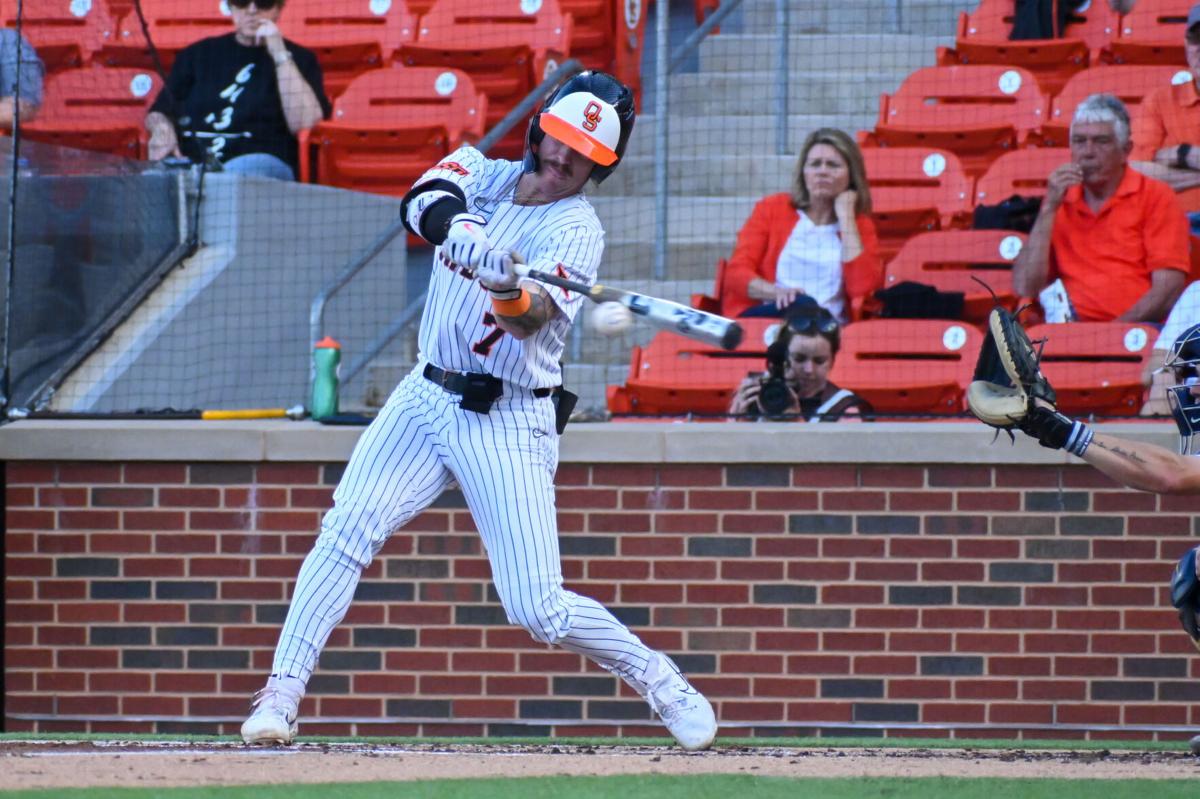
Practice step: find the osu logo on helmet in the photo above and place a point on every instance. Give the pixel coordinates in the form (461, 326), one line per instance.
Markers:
(591, 116)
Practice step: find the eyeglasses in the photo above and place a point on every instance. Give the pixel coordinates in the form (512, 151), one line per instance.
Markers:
(805, 324)
(261, 5)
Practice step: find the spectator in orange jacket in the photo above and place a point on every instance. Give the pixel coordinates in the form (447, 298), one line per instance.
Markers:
(817, 243)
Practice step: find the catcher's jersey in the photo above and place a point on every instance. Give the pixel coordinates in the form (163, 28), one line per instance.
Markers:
(458, 330)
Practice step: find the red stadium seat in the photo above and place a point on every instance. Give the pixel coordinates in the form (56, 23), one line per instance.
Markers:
(1151, 33)
(677, 376)
(65, 34)
(954, 260)
(173, 26)
(1130, 82)
(977, 112)
(97, 108)
(389, 126)
(1023, 172)
(983, 38)
(915, 189)
(908, 366)
(506, 51)
(1096, 367)
(349, 37)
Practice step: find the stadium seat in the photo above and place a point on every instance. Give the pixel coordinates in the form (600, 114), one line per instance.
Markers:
(1023, 172)
(1130, 82)
(349, 37)
(1096, 367)
(983, 38)
(677, 376)
(97, 108)
(915, 189)
(1151, 33)
(955, 260)
(977, 112)
(908, 366)
(173, 26)
(506, 51)
(389, 126)
(64, 34)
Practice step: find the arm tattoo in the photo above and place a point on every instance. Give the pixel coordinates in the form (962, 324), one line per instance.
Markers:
(1116, 450)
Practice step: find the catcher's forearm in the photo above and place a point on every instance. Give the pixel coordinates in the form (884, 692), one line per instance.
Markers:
(1146, 467)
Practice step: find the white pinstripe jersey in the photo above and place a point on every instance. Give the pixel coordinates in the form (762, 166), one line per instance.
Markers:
(458, 331)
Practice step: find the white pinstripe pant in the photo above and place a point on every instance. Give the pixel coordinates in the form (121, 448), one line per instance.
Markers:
(504, 462)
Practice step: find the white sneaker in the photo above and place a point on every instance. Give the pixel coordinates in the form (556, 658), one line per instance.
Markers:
(274, 709)
(684, 710)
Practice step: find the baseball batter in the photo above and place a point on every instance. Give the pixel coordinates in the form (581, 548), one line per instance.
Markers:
(483, 408)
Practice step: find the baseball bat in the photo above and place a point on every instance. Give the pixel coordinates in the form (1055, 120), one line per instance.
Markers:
(664, 314)
(166, 414)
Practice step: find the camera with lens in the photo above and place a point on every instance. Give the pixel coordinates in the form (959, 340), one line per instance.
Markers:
(775, 396)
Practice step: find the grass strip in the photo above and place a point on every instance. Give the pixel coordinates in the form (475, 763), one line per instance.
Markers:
(719, 786)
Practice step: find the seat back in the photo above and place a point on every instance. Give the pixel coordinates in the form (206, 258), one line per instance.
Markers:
(983, 38)
(1151, 33)
(65, 34)
(96, 108)
(673, 375)
(908, 366)
(1096, 367)
(1130, 82)
(956, 260)
(975, 111)
(348, 37)
(173, 26)
(1096, 25)
(917, 177)
(392, 123)
(506, 46)
(1022, 172)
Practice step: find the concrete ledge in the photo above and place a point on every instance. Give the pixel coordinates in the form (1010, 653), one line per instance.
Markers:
(618, 442)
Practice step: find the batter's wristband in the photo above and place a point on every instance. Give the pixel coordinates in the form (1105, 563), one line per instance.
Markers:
(515, 307)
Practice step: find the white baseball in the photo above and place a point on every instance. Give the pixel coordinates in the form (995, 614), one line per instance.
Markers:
(610, 319)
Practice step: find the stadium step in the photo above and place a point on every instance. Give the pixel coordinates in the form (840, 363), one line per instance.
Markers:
(849, 54)
(929, 17)
(815, 91)
(741, 174)
(711, 134)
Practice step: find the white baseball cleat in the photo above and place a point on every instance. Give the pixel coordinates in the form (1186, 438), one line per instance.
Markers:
(273, 715)
(683, 709)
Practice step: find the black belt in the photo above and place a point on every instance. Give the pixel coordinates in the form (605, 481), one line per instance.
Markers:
(456, 383)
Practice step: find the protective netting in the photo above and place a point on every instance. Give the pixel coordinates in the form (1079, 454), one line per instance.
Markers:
(290, 132)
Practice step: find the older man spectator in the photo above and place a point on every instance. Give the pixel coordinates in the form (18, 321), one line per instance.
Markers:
(15, 49)
(241, 97)
(1117, 239)
(1166, 130)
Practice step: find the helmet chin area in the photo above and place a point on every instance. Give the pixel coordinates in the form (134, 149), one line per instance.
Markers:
(1185, 408)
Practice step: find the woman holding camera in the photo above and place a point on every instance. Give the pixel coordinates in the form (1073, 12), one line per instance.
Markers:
(796, 384)
(816, 241)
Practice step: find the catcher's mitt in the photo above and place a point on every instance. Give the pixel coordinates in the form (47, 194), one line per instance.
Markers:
(1007, 377)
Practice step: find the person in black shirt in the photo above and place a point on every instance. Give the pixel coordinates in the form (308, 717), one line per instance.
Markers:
(242, 97)
(796, 384)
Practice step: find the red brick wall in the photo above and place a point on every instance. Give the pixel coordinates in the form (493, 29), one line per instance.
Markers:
(976, 595)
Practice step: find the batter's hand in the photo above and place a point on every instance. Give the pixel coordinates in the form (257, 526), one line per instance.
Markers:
(495, 271)
(466, 242)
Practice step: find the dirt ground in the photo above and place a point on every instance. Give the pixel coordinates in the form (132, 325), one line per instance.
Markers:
(60, 765)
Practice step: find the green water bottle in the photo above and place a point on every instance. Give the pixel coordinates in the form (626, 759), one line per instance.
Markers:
(327, 355)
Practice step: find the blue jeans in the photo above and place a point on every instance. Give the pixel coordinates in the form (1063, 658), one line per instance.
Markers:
(262, 165)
